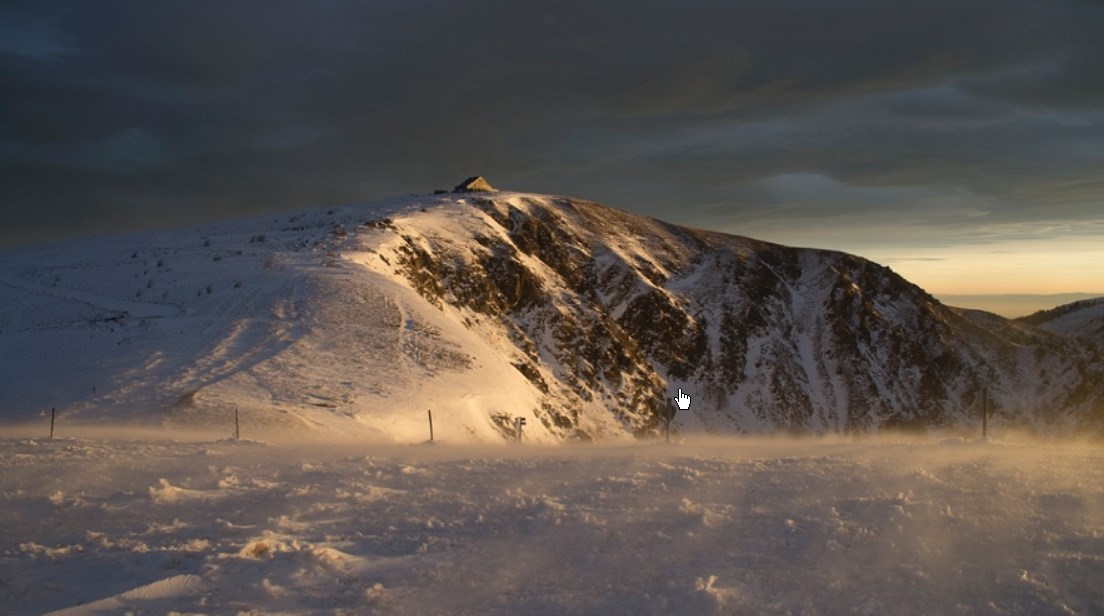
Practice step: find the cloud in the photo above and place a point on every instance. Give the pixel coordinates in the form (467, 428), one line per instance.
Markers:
(121, 114)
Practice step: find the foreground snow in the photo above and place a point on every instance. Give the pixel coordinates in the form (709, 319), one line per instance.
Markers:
(90, 525)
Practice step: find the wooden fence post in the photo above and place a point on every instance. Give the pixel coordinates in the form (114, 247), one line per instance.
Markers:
(984, 413)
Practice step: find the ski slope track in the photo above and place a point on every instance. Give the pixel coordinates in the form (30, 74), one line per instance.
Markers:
(488, 307)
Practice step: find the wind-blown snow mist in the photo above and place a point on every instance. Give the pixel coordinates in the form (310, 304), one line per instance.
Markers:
(815, 526)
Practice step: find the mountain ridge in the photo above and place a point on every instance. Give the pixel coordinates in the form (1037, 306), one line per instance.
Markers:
(486, 307)
(1083, 319)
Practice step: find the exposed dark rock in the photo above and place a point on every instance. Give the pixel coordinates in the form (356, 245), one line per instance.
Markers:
(616, 308)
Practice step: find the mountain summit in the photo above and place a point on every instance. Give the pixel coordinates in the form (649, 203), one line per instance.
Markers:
(490, 307)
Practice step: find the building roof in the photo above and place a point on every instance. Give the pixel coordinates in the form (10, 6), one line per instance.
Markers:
(474, 184)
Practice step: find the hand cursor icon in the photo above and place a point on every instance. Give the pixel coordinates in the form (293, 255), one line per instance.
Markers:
(683, 401)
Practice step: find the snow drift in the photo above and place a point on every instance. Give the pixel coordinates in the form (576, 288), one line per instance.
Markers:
(725, 526)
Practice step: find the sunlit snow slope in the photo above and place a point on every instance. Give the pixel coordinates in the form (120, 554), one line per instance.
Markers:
(486, 307)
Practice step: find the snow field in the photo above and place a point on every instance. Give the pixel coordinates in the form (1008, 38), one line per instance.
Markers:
(737, 526)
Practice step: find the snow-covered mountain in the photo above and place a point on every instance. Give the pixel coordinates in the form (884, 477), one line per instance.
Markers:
(485, 307)
(1083, 319)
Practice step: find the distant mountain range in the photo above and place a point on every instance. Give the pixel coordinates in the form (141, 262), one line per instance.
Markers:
(484, 307)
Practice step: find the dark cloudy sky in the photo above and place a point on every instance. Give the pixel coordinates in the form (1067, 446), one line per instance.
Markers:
(959, 142)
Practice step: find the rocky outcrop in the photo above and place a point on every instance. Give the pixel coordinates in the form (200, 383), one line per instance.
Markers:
(610, 312)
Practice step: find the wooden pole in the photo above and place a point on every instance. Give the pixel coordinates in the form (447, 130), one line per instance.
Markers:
(53, 413)
(984, 413)
(430, 414)
(237, 426)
